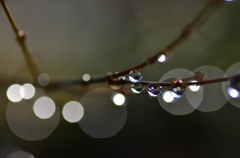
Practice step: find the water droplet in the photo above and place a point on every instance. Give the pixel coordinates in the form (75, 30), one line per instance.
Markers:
(115, 85)
(135, 75)
(195, 87)
(177, 89)
(162, 58)
(137, 88)
(154, 90)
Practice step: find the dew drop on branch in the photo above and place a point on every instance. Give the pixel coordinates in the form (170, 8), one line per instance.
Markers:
(137, 88)
(135, 75)
(154, 90)
(177, 89)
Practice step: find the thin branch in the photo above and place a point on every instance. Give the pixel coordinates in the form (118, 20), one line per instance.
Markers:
(184, 35)
(187, 32)
(21, 39)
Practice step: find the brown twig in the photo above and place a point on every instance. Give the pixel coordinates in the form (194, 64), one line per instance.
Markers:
(187, 32)
(21, 39)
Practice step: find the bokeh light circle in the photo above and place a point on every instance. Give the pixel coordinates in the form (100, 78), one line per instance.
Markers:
(29, 91)
(213, 96)
(20, 154)
(73, 111)
(119, 99)
(102, 118)
(176, 106)
(231, 71)
(43, 79)
(86, 77)
(167, 97)
(15, 93)
(44, 107)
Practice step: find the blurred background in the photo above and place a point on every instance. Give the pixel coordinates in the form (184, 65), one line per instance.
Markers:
(77, 37)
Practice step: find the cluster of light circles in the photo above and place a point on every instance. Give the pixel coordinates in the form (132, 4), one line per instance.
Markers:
(41, 120)
(16, 92)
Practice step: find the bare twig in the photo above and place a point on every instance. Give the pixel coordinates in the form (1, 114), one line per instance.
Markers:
(21, 39)
(187, 32)
(183, 36)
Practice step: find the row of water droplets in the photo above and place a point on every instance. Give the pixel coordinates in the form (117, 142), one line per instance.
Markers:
(154, 89)
(176, 89)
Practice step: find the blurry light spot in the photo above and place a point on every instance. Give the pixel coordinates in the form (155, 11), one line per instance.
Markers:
(86, 77)
(233, 92)
(20, 154)
(15, 93)
(162, 58)
(73, 111)
(43, 79)
(29, 91)
(167, 97)
(194, 87)
(102, 118)
(119, 99)
(20, 33)
(44, 107)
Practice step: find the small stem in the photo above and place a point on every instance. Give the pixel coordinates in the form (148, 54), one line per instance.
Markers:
(21, 38)
(185, 34)
(188, 30)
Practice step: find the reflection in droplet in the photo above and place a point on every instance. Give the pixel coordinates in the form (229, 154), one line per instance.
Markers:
(15, 93)
(25, 124)
(43, 79)
(119, 99)
(232, 70)
(162, 58)
(102, 118)
(137, 88)
(44, 107)
(177, 89)
(167, 97)
(195, 87)
(73, 111)
(29, 90)
(154, 90)
(233, 92)
(20, 154)
(135, 75)
(86, 77)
